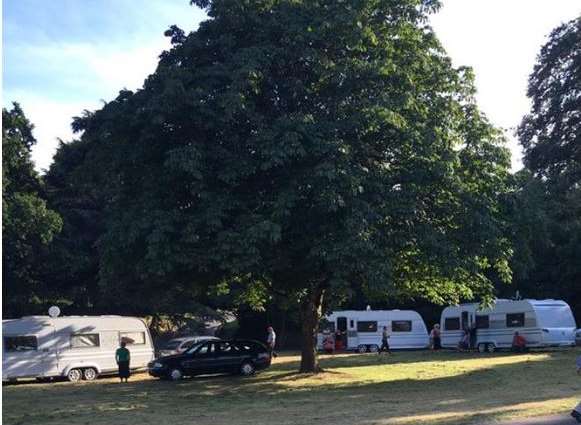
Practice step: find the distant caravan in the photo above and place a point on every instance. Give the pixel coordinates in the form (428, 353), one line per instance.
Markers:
(361, 330)
(543, 323)
(75, 347)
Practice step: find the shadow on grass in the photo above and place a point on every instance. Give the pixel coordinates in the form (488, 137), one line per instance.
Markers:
(473, 396)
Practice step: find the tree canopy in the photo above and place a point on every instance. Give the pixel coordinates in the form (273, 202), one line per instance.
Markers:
(551, 132)
(304, 149)
(28, 226)
(547, 221)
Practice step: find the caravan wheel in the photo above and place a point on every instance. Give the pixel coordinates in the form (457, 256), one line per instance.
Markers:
(490, 348)
(90, 374)
(74, 375)
(373, 348)
(482, 348)
(362, 349)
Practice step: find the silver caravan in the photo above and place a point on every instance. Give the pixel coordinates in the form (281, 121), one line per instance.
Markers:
(362, 329)
(543, 323)
(76, 347)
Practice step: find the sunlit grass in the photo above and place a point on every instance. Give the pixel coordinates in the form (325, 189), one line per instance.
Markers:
(406, 388)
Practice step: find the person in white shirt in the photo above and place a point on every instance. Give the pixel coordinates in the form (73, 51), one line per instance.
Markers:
(271, 341)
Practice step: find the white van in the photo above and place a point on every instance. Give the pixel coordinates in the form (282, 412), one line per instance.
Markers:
(543, 323)
(76, 347)
(363, 329)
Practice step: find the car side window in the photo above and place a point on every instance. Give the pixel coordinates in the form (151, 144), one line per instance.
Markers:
(206, 350)
(227, 348)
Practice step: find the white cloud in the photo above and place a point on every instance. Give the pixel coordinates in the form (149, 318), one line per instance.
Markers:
(51, 120)
(105, 69)
(500, 39)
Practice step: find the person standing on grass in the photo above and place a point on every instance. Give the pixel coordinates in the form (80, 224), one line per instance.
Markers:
(384, 341)
(271, 341)
(473, 330)
(435, 338)
(123, 356)
(576, 413)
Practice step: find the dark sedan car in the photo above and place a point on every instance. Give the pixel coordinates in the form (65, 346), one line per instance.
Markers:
(243, 357)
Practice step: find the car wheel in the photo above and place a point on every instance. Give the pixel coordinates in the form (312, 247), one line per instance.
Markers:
(362, 349)
(74, 375)
(490, 348)
(373, 348)
(90, 374)
(482, 348)
(247, 369)
(175, 375)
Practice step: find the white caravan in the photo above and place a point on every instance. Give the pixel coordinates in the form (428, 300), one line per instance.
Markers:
(543, 323)
(75, 347)
(363, 329)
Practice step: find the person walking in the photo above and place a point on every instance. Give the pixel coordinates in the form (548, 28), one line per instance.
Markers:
(123, 357)
(384, 341)
(271, 341)
(435, 338)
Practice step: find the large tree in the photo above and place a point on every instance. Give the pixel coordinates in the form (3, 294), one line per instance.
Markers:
(551, 132)
(547, 220)
(301, 149)
(28, 226)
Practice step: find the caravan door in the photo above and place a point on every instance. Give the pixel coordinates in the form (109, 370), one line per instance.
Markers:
(341, 338)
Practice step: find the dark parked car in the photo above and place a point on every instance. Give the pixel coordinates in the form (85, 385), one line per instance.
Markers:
(243, 357)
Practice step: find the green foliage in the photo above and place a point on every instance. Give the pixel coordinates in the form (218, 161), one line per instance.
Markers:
(28, 226)
(300, 149)
(551, 133)
(547, 211)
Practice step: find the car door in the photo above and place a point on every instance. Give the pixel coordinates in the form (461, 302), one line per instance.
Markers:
(202, 360)
(228, 356)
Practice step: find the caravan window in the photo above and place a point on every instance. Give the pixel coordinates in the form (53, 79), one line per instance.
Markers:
(85, 340)
(366, 326)
(401, 326)
(515, 320)
(20, 343)
(452, 324)
(133, 338)
(482, 322)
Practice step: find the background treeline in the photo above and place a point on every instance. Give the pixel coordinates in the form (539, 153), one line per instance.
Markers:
(57, 227)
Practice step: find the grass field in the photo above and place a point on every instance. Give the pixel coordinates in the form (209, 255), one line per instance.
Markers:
(406, 388)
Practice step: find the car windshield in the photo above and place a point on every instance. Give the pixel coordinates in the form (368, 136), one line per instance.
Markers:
(172, 345)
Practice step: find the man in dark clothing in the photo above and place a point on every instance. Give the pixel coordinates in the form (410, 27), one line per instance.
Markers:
(473, 336)
(384, 341)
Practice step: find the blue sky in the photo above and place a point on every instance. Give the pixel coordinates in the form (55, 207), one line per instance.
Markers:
(63, 56)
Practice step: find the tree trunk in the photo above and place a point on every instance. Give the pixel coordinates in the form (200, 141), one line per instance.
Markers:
(311, 310)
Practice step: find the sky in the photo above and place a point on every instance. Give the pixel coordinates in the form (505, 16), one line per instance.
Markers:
(60, 57)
